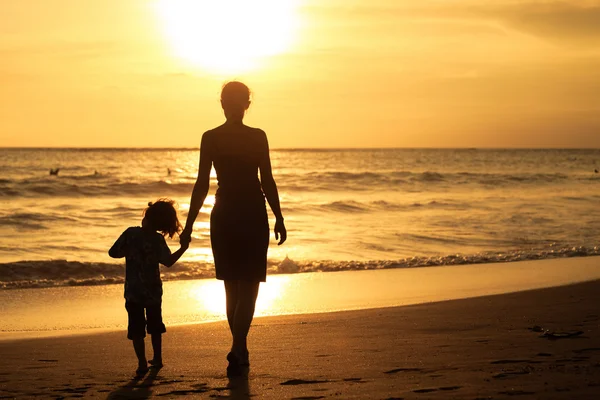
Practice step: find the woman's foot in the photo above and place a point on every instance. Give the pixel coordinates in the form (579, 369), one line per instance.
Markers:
(244, 358)
(156, 363)
(234, 368)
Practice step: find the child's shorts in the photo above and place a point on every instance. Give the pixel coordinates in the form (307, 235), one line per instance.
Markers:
(139, 323)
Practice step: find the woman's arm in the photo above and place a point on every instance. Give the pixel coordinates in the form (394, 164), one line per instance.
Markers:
(270, 190)
(200, 189)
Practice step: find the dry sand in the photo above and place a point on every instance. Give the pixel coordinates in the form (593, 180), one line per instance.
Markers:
(478, 348)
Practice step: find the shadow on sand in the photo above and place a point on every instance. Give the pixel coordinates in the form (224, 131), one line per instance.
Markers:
(239, 388)
(136, 388)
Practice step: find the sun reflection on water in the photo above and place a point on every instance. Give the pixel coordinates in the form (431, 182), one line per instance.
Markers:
(203, 254)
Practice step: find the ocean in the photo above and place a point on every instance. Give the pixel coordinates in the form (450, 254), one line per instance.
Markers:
(345, 209)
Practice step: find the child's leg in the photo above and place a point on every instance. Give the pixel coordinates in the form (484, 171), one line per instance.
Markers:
(156, 328)
(136, 332)
(157, 348)
(140, 352)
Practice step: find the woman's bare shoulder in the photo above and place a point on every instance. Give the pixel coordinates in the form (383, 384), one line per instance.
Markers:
(257, 132)
(210, 134)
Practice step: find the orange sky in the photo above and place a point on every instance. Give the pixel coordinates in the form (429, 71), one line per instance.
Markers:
(351, 73)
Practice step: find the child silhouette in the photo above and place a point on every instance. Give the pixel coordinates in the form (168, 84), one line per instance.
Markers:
(144, 248)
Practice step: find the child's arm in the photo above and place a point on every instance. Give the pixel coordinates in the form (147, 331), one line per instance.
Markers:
(119, 249)
(166, 258)
(175, 256)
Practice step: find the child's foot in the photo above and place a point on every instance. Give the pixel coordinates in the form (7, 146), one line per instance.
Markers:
(156, 363)
(142, 370)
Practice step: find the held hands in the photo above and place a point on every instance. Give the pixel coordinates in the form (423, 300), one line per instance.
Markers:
(280, 234)
(184, 245)
(185, 238)
(280, 231)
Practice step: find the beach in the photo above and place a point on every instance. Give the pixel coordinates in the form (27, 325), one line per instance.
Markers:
(380, 199)
(541, 343)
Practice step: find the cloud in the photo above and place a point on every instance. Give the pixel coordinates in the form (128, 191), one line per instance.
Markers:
(556, 21)
(573, 23)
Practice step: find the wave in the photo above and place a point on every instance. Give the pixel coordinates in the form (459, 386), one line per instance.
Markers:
(349, 206)
(94, 188)
(39, 274)
(32, 221)
(411, 181)
(98, 185)
(51, 273)
(345, 206)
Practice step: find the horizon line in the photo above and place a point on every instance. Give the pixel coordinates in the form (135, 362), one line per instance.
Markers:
(303, 148)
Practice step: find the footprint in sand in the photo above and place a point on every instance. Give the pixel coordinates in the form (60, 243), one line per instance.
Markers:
(515, 362)
(516, 393)
(302, 382)
(425, 390)
(393, 371)
(508, 374)
(167, 381)
(444, 388)
(77, 390)
(308, 397)
(587, 350)
(185, 392)
(448, 388)
(353, 380)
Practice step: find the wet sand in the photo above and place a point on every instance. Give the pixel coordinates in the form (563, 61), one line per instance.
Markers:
(479, 348)
(68, 310)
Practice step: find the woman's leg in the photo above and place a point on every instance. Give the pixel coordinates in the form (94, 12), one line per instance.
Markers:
(231, 299)
(244, 313)
(241, 301)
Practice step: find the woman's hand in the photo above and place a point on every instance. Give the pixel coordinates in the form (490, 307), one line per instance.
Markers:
(280, 231)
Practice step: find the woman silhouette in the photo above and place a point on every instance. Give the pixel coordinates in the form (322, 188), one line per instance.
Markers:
(239, 228)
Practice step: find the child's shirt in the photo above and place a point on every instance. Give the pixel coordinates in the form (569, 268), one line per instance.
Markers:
(143, 250)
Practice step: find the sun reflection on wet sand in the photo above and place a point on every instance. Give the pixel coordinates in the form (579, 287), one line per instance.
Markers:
(210, 296)
(29, 313)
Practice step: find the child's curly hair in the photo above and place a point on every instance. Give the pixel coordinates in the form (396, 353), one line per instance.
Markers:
(162, 215)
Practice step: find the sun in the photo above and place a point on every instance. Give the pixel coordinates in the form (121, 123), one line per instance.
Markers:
(228, 36)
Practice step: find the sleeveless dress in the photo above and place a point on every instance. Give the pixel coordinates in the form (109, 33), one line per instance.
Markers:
(239, 227)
